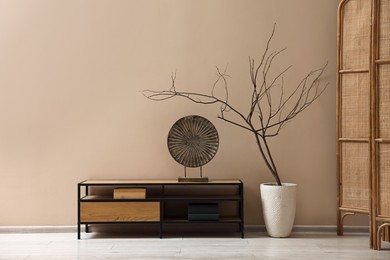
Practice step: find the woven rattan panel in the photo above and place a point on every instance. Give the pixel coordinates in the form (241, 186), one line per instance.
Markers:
(355, 176)
(355, 100)
(384, 180)
(356, 35)
(384, 101)
(384, 29)
(384, 110)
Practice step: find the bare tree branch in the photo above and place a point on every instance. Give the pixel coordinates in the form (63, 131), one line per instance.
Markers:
(269, 101)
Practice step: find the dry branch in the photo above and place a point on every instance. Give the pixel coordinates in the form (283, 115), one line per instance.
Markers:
(267, 114)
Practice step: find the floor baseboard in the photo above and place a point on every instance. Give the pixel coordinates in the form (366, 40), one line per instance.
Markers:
(313, 228)
(248, 228)
(38, 229)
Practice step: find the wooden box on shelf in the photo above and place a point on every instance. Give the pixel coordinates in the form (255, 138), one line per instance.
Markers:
(119, 211)
(203, 212)
(129, 193)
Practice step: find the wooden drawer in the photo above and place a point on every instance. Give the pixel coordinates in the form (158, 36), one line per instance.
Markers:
(119, 211)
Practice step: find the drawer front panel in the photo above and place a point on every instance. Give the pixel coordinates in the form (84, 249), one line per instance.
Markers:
(119, 211)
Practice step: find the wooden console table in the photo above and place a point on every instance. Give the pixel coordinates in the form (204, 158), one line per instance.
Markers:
(166, 202)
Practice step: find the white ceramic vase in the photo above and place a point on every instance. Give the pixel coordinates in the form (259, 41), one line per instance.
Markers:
(278, 204)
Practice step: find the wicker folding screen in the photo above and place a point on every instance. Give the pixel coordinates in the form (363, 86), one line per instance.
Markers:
(381, 61)
(363, 113)
(353, 108)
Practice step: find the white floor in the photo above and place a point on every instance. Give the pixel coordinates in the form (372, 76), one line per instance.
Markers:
(256, 245)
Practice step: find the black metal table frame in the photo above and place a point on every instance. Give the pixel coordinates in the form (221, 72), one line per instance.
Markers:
(161, 200)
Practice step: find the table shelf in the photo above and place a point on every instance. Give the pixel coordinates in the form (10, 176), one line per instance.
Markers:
(166, 202)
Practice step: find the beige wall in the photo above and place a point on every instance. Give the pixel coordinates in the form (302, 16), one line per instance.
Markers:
(71, 108)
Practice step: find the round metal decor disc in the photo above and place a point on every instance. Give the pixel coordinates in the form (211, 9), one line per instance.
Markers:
(193, 141)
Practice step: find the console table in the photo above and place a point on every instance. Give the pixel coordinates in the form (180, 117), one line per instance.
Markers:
(166, 202)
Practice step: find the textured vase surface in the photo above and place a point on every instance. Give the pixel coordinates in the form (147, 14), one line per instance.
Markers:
(278, 204)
